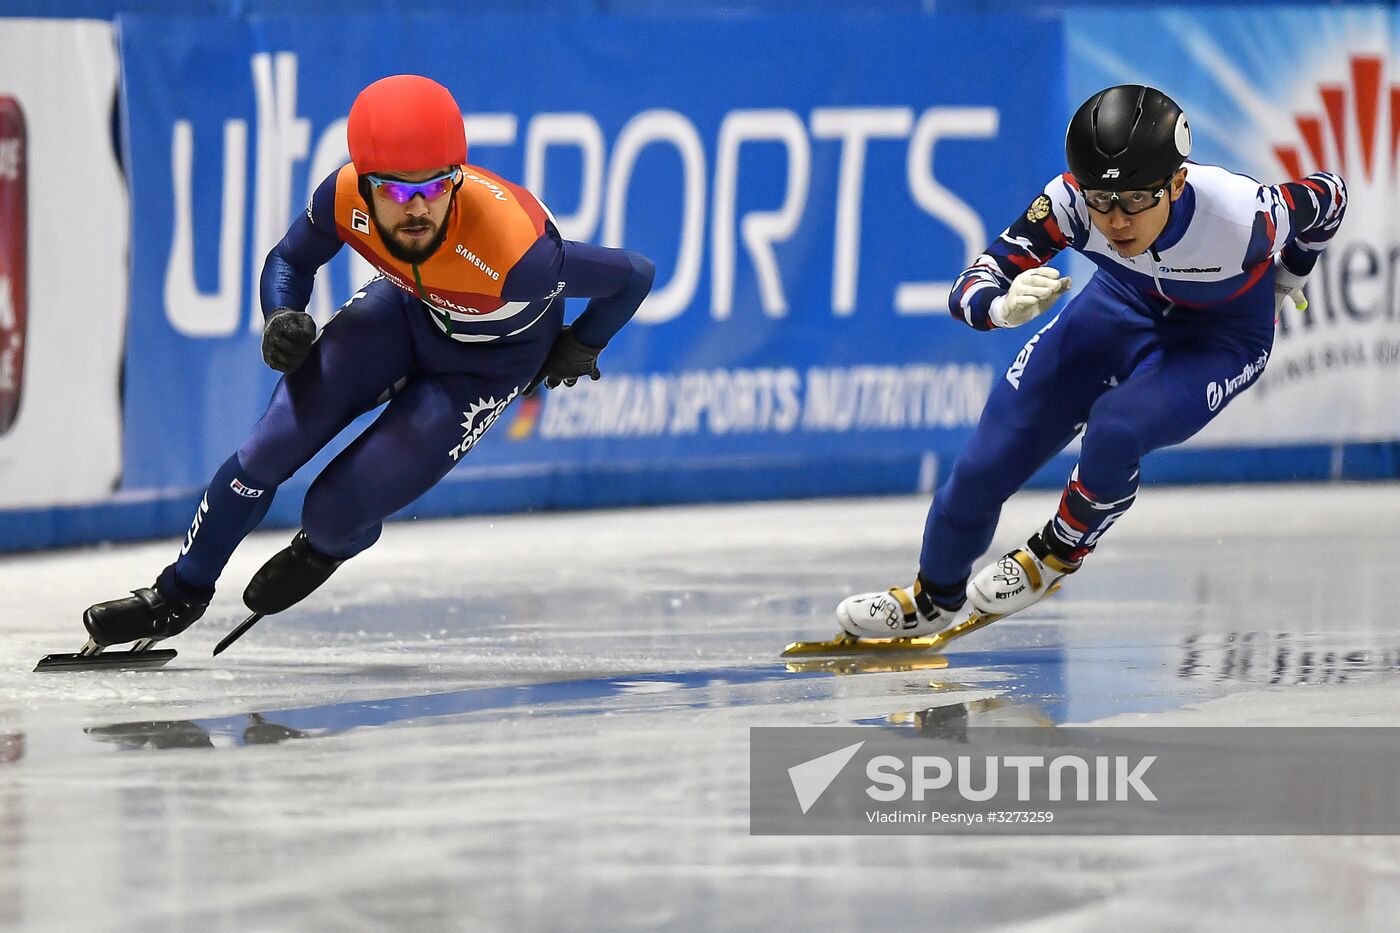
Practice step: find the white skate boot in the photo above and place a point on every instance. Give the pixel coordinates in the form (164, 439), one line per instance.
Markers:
(895, 613)
(1015, 581)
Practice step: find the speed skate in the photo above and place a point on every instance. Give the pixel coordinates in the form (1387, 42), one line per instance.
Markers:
(847, 645)
(91, 656)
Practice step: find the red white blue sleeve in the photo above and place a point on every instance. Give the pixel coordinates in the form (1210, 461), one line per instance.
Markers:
(1305, 214)
(1053, 221)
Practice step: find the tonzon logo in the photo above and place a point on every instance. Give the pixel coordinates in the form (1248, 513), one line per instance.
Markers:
(1352, 127)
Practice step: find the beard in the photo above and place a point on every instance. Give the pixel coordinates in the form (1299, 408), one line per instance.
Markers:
(411, 254)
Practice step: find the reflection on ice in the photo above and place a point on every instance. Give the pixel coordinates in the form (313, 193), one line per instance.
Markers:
(953, 720)
(678, 690)
(11, 747)
(557, 698)
(1016, 673)
(257, 730)
(1282, 658)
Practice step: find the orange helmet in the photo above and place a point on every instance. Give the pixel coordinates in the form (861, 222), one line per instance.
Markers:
(405, 123)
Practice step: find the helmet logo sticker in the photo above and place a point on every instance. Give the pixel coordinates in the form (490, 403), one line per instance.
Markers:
(1183, 136)
(1110, 173)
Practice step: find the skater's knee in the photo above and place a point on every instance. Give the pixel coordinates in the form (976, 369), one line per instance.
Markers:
(264, 464)
(341, 542)
(1116, 434)
(973, 489)
(282, 442)
(334, 525)
(326, 516)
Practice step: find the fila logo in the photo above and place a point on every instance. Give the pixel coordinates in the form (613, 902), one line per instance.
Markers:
(359, 221)
(1110, 173)
(244, 490)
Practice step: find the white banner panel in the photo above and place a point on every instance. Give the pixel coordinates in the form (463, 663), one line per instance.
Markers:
(63, 252)
(1276, 94)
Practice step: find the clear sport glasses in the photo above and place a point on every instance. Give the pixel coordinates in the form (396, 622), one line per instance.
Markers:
(1130, 202)
(405, 191)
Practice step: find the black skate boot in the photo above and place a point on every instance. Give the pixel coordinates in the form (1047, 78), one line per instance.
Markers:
(291, 575)
(147, 615)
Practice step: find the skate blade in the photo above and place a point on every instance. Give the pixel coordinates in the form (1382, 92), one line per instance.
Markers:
(114, 660)
(870, 663)
(847, 645)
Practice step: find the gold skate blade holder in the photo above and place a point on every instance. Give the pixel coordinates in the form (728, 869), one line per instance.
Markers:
(847, 645)
(869, 663)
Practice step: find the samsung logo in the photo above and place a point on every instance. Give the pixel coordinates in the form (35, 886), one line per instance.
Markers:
(477, 261)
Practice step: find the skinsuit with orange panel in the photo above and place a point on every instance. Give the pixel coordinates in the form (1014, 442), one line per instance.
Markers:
(466, 312)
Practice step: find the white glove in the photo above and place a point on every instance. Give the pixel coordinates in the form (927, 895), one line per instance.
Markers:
(1031, 295)
(1288, 290)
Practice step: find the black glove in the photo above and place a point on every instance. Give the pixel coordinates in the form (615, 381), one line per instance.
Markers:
(287, 338)
(568, 360)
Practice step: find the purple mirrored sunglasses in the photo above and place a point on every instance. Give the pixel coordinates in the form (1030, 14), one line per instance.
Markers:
(404, 191)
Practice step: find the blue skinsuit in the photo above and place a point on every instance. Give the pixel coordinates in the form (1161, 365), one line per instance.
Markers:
(448, 370)
(1143, 357)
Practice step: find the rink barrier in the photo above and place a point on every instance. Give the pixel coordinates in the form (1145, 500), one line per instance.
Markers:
(108, 9)
(469, 493)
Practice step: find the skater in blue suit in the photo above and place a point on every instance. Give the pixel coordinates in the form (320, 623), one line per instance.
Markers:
(1193, 264)
(465, 313)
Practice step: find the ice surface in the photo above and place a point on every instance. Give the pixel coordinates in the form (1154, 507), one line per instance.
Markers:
(541, 722)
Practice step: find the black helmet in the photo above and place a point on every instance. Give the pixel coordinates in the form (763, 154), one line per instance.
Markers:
(1126, 137)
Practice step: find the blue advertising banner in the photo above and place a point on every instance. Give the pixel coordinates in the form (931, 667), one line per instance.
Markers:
(806, 211)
